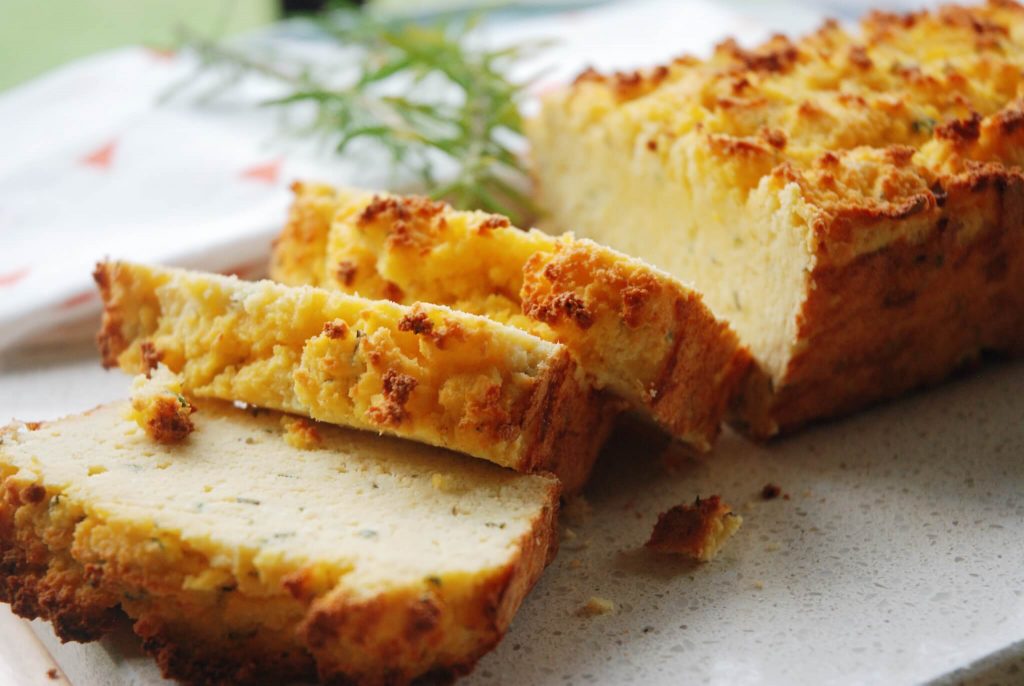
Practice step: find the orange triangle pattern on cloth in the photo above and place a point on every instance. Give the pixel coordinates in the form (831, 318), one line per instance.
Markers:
(160, 54)
(265, 173)
(11, 278)
(76, 300)
(102, 157)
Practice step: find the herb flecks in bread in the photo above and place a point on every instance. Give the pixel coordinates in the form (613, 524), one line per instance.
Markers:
(242, 559)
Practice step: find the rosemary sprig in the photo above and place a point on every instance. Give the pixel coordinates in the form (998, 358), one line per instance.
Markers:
(423, 93)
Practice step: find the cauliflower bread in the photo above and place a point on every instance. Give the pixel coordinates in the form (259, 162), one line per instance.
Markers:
(634, 329)
(852, 204)
(346, 562)
(425, 372)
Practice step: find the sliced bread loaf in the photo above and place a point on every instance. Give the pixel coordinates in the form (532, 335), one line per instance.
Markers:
(242, 559)
(851, 202)
(634, 329)
(427, 373)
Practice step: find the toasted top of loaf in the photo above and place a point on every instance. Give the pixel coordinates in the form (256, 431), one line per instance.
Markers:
(865, 124)
(373, 555)
(426, 372)
(633, 328)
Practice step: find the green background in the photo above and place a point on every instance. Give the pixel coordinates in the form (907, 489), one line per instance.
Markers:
(36, 35)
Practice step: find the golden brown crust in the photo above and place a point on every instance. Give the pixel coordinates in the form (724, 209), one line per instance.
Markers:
(397, 388)
(150, 356)
(701, 377)
(336, 636)
(940, 84)
(696, 361)
(305, 234)
(336, 626)
(109, 339)
(908, 315)
(691, 530)
(637, 332)
(566, 411)
(444, 392)
(167, 420)
(184, 658)
(39, 582)
(900, 173)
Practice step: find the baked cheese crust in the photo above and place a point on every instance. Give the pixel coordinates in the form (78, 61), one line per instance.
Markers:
(426, 372)
(851, 203)
(241, 559)
(635, 330)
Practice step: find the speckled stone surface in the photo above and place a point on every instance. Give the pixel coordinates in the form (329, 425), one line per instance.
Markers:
(897, 558)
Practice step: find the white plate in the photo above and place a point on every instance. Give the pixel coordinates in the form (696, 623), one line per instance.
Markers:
(898, 558)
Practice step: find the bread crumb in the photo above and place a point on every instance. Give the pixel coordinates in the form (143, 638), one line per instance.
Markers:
(759, 585)
(300, 432)
(698, 530)
(596, 606)
(771, 491)
(52, 674)
(772, 547)
(575, 563)
(160, 408)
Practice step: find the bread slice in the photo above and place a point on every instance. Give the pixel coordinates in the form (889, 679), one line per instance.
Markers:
(636, 331)
(427, 373)
(851, 203)
(242, 559)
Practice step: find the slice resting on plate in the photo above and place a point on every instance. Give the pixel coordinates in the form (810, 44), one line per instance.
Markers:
(635, 330)
(425, 372)
(241, 558)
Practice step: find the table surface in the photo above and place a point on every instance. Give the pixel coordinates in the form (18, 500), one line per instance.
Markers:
(897, 557)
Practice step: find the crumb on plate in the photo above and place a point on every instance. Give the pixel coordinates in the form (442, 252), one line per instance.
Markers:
(595, 606)
(698, 530)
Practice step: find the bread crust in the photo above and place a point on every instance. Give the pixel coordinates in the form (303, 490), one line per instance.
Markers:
(38, 581)
(910, 314)
(884, 207)
(552, 422)
(422, 632)
(635, 330)
(305, 235)
(604, 304)
(697, 530)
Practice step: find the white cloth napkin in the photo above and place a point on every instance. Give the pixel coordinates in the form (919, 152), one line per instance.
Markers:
(95, 164)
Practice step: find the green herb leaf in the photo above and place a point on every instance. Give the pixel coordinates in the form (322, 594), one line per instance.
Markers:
(460, 112)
